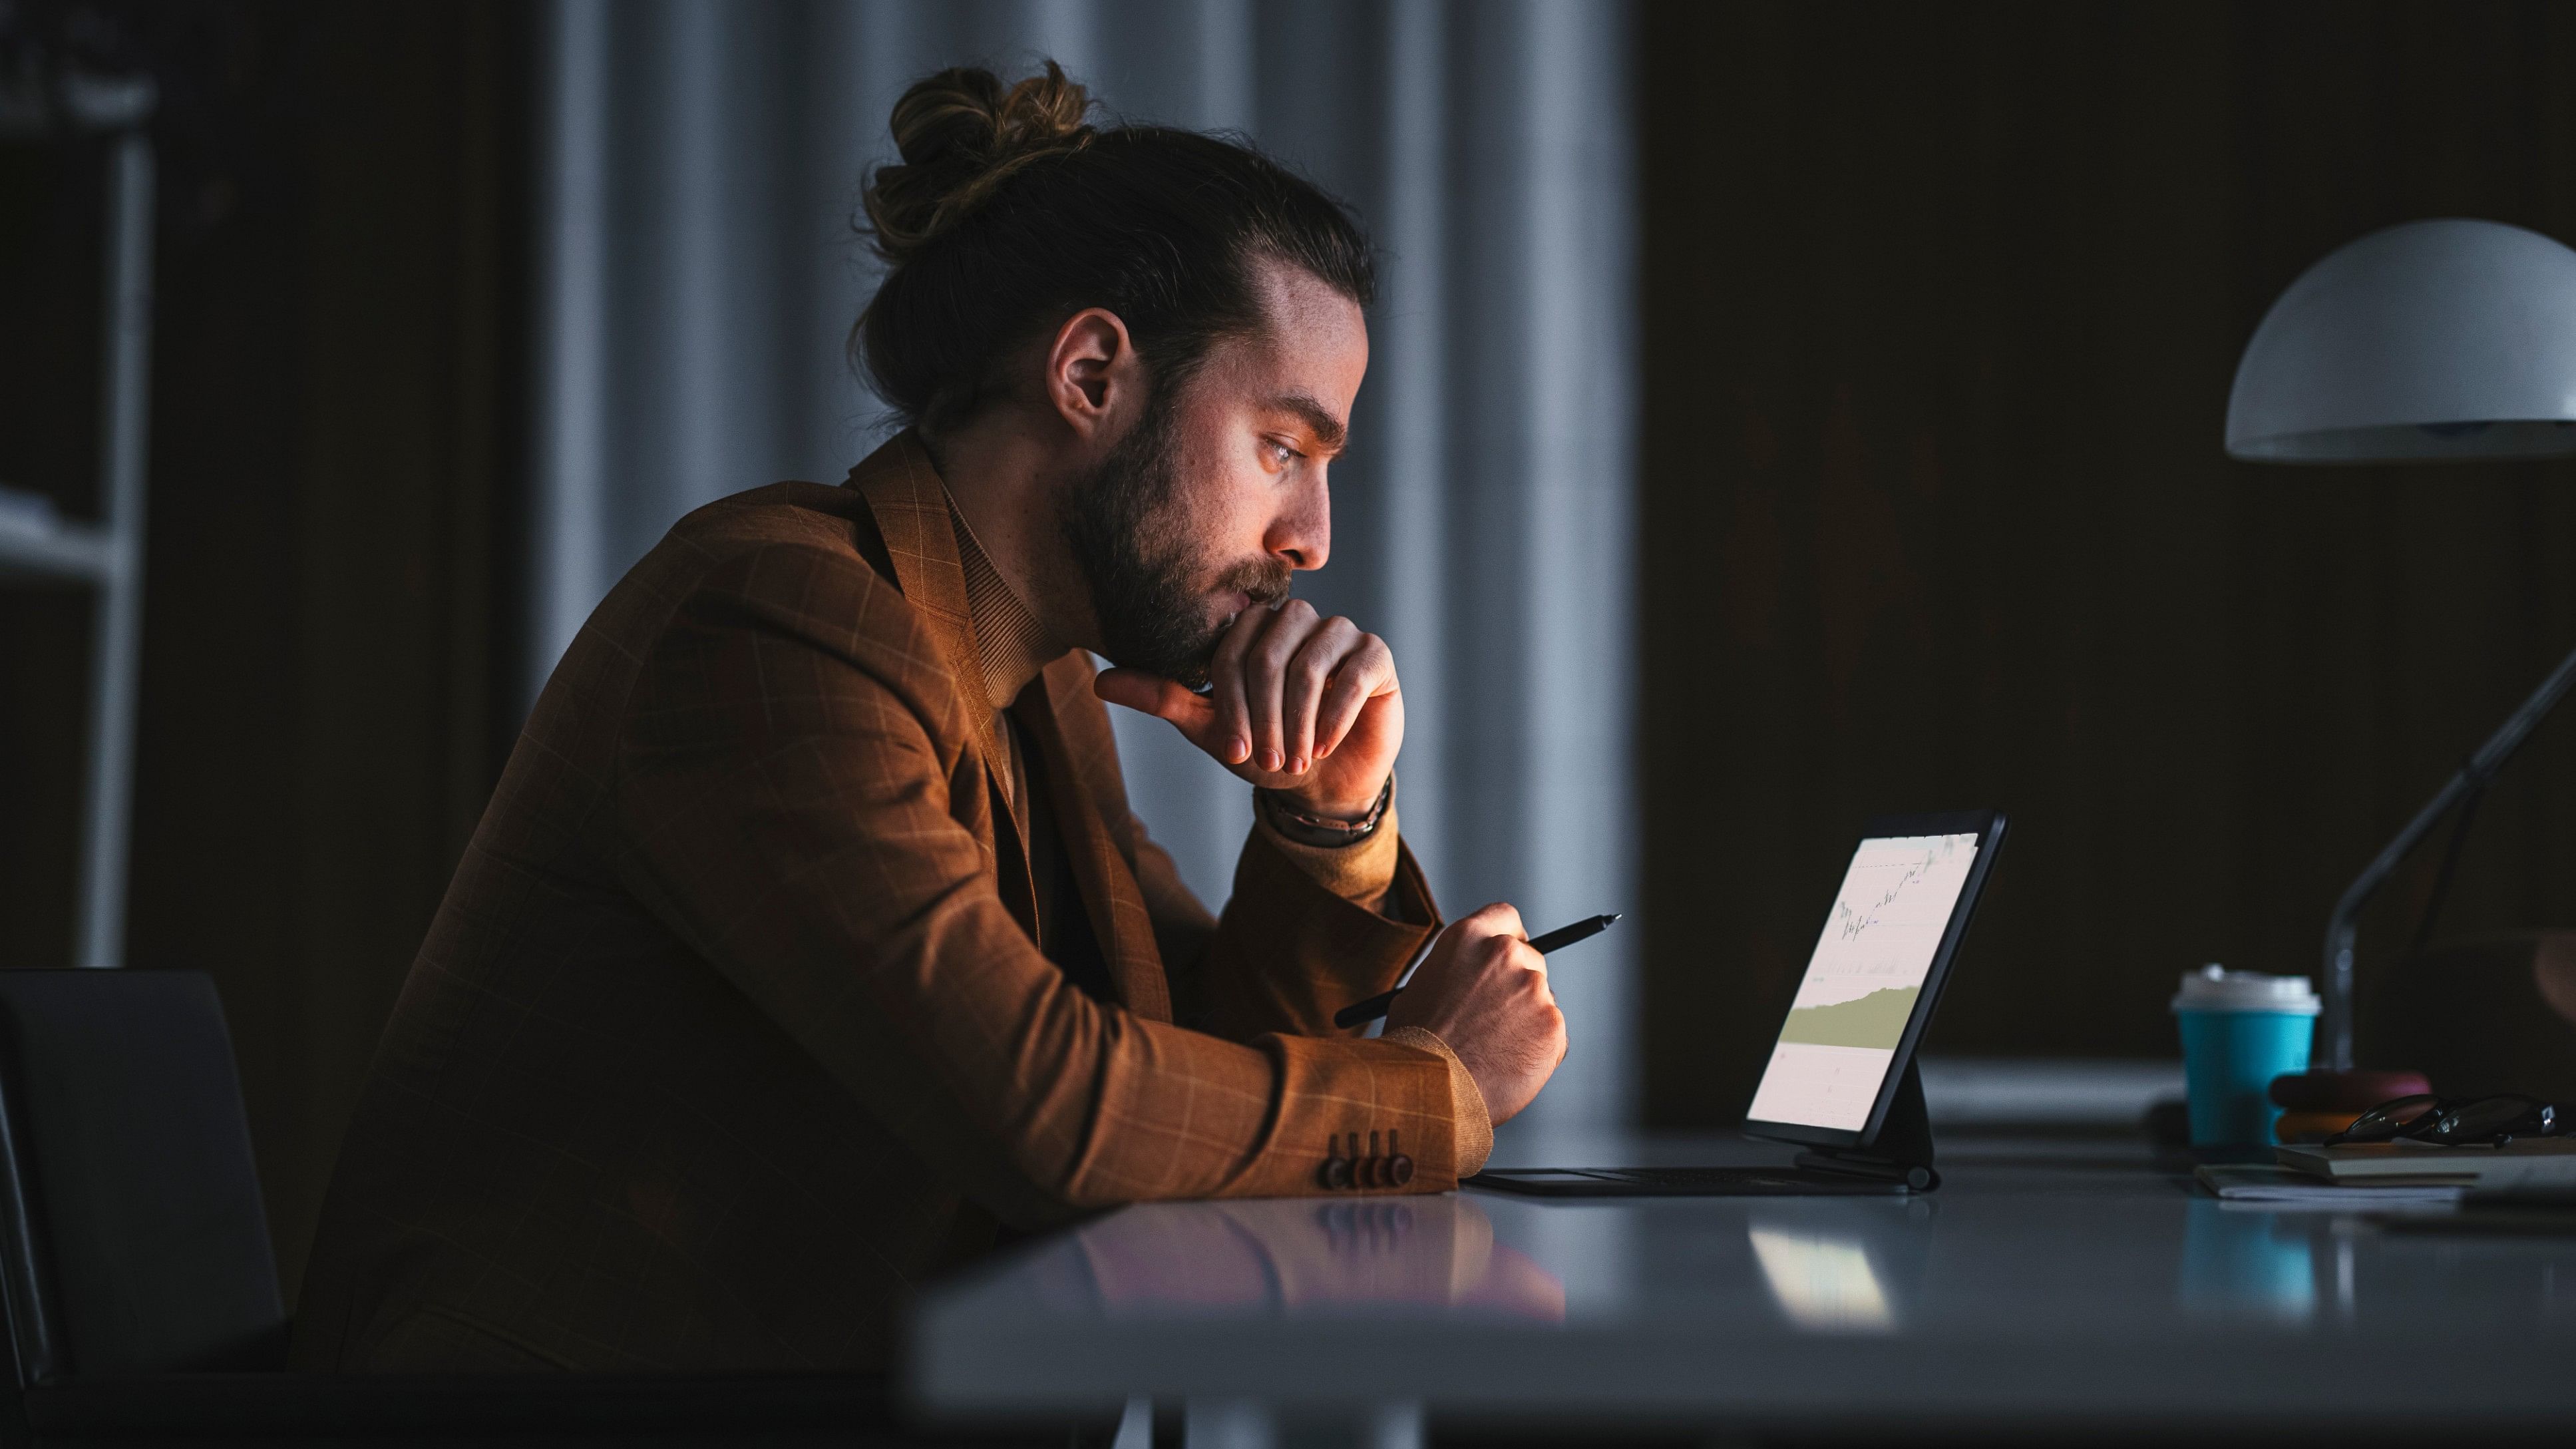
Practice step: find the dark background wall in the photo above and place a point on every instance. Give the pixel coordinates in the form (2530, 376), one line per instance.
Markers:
(1942, 306)
(334, 455)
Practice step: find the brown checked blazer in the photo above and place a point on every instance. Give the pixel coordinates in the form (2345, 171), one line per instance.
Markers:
(730, 1032)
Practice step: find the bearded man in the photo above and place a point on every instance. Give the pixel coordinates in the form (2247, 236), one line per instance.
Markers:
(808, 946)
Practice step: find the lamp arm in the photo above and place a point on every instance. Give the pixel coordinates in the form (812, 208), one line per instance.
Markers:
(2345, 924)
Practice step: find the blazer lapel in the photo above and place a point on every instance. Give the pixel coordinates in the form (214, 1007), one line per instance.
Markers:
(911, 509)
(1109, 890)
(910, 505)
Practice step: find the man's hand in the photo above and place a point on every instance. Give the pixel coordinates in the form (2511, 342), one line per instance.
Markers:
(1303, 705)
(1484, 992)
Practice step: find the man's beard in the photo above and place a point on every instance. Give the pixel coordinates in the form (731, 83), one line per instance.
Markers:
(1149, 590)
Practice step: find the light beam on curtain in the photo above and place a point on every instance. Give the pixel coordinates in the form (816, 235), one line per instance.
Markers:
(698, 277)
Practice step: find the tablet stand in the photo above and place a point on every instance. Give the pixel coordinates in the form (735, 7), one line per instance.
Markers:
(1902, 1150)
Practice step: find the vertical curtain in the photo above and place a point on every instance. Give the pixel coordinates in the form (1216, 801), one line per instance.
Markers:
(698, 276)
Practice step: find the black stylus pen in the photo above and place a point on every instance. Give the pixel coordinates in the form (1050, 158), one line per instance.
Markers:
(1556, 940)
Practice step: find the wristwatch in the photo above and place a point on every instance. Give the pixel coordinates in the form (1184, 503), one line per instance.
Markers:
(1318, 830)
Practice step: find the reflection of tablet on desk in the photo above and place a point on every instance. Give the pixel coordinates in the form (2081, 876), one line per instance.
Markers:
(1841, 1079)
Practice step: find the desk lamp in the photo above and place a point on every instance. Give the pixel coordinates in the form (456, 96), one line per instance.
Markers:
(2434, 341)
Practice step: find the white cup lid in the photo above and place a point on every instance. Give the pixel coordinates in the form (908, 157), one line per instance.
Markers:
(2215, 988)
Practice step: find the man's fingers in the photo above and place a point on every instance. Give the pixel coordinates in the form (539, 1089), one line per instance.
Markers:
(1287, 689)
(1326, 650)
(1367, 672)
(1499, 919)
(1162, 698)
(1232, 726)
(1265, 667)
(1512, 953)
(1517, 952)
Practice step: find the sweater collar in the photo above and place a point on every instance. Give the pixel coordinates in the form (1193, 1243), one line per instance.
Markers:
(1011, 644)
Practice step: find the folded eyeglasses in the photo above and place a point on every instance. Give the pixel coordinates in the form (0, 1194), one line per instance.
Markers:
(2492, 1121)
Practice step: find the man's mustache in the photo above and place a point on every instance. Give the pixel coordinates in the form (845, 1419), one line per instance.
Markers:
(1263, 580)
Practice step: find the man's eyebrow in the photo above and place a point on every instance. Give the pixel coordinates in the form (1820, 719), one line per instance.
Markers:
(1327, 429)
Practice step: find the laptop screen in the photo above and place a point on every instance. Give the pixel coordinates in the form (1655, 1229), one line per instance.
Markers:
(1863, 982)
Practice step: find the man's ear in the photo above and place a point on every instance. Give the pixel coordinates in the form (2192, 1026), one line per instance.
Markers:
(1093, 376)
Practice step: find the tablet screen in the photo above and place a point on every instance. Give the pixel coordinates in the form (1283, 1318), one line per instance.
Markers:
(1861, 985)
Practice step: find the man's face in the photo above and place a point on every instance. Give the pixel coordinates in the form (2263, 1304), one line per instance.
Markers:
(1218, 492)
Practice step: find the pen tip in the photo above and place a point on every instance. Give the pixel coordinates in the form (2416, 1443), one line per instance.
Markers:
(1612, 918)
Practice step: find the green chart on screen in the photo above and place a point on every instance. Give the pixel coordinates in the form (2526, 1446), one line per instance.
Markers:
(1864, 980)
(1876, 1020)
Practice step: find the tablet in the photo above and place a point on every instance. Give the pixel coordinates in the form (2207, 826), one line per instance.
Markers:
(1841, 1075)
(1896, 920)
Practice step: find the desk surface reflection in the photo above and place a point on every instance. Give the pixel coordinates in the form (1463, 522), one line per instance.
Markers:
(2046, 1283)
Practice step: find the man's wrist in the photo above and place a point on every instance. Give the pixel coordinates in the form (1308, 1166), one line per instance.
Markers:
(1309, 824)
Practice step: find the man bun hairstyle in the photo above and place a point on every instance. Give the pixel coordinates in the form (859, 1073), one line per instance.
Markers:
(1010, 212)
(961, 136)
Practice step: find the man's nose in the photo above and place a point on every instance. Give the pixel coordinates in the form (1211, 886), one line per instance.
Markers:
(1302, 534)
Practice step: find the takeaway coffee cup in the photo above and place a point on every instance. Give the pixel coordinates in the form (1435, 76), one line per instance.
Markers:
(2240, 1029)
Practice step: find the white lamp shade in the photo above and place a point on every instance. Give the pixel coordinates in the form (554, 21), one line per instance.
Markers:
(2431, 340)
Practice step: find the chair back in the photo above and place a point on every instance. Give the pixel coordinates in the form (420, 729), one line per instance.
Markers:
(132, 1236)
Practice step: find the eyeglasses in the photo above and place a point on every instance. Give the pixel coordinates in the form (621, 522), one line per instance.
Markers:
(2494, 1121)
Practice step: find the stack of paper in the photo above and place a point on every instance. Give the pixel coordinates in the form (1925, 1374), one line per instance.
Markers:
(2528, 1162)
(2262, 1185)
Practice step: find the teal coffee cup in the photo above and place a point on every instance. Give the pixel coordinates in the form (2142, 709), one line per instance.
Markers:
(2240, 1029)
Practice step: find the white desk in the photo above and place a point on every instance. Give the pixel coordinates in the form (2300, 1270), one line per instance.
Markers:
(2044, 1286)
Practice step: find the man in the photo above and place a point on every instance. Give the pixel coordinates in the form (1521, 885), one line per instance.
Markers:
(808, 944)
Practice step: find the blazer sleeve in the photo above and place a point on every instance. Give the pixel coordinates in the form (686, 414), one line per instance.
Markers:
(782, 801)
(1288, 952)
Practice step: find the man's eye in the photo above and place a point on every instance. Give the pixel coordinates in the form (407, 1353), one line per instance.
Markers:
(1281, 455)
